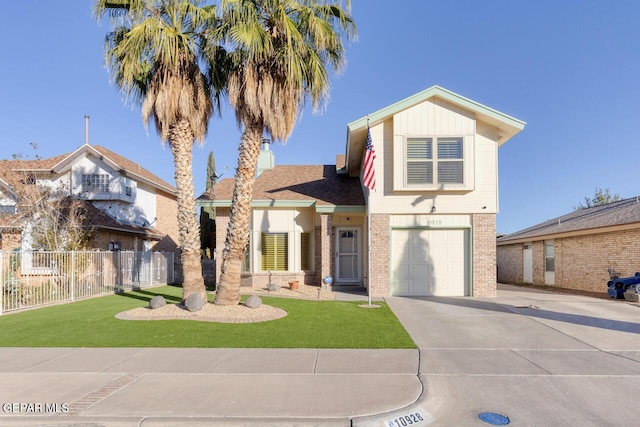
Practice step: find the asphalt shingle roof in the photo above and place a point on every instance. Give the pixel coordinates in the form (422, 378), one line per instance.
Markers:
(12, 173)
(623, 212)
(318, 183)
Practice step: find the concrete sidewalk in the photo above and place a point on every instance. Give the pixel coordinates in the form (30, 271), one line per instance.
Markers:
(537, 358)
(155, 386)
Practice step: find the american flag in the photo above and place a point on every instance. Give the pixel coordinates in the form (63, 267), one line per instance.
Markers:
(369, 173)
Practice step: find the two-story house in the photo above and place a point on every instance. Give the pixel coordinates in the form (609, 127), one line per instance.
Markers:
(128, 207)
(428, 227)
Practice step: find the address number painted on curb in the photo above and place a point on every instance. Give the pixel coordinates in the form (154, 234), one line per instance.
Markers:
(411, 419)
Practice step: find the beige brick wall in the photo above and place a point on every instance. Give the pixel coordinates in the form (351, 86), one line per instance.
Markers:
(380, 255)
(538, 262)
(222, 222)
(10, 240)
(102, 238)
(484, 254)
(324, 248)
(580, 262)
(510, 261)
(167, 222)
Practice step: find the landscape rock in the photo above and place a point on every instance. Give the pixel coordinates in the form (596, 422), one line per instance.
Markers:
(194, 302)
(273, 287)
(157, 302)
(254, 301)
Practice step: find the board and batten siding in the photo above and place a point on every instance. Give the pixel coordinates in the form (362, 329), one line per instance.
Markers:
(435, 118)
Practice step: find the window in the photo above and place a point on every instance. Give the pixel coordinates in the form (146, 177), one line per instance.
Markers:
(275, 252)
(7, 209)
(433, 161)
(95, 183)
(549, 257)
(305, 251)
(127, 187)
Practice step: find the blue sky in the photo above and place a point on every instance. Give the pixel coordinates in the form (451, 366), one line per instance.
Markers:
(570, 69)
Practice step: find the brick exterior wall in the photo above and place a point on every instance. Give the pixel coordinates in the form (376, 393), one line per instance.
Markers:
(167, 222)
(324, 248)
(580, 262)
(101, 240)
(222, 222)
(538, 262)
(510, 262)
(484, 254)
(10, 240)
(380, 255)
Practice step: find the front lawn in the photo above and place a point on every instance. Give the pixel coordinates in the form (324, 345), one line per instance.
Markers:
(309, 324)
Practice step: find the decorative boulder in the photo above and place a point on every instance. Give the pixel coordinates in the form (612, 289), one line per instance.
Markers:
(273, 287)
(194, 302)
(157, 302)
(254, 301)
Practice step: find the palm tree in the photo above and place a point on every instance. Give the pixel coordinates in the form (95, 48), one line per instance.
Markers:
(155, 57)
(278, 51)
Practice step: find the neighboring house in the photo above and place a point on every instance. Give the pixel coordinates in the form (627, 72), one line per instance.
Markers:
(575, 250)
(431, 216)
(129, 207)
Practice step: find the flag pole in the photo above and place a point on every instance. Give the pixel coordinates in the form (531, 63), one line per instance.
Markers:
(368, 237)
(369, 252)
(369, 181)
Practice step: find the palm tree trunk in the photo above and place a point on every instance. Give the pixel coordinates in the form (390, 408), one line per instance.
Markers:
(181, 142)
(228, 289)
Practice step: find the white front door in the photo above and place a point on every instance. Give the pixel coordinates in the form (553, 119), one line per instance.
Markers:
(527, 261)
(347, 255)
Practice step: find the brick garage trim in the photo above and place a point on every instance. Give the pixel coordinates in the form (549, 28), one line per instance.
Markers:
(483, 255)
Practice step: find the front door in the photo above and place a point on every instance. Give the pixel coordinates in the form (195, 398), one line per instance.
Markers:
(527, 255)
(347, 255)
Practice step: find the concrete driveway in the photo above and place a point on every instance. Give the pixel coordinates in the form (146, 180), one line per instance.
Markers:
(536, 358)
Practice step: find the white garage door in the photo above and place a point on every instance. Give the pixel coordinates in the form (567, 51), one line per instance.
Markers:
(429, 262)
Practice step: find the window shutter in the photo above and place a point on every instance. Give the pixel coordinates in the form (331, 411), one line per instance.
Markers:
(419, 173)
(450, 161)
(305, 251)
(274, 252)
(419, 148)
(419, 161)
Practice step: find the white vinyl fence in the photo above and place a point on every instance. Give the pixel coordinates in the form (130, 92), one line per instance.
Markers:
(31, 279)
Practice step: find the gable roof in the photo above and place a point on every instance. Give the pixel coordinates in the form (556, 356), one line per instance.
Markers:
(506, 125)
(296, 186)
(114, 160)
(95, 218)
(625, 213)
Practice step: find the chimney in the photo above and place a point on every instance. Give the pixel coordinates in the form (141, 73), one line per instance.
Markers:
(266, 159)
(86, 129)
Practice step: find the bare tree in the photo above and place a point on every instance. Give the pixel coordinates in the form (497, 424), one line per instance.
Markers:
(53, 218)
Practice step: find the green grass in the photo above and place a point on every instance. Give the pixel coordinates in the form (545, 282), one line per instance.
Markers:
(309, 324)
